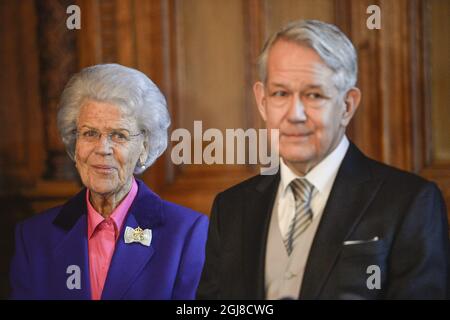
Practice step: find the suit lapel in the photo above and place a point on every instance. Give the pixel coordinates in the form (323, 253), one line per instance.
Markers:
(129, 260)
(72, 250)
(257, 213)
(352, 192)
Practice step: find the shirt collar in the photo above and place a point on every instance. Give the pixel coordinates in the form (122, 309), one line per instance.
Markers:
(322, 173)
(118, 215)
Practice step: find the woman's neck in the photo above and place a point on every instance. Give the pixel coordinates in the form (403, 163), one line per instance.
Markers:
(106, 203)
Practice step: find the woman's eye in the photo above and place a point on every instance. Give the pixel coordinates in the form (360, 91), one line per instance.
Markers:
(90, 133)
(119, 136)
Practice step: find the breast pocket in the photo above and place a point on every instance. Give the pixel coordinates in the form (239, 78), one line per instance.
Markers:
(365, 248)
(362, 269)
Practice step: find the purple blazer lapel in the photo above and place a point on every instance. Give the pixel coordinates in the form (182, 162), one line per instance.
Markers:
(129, 260)
(70, 256)
(127, 263)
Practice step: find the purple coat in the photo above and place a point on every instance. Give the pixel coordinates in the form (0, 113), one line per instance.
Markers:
(170, 268)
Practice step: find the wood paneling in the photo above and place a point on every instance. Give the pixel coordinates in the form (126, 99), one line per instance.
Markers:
(58, 60)
(89, 37)
(22, 151)
(255, 35)
(210, 71)
(439, 12)
(366, 128)
(202, 54)
(279, 13)
(197, 185)
(125, 32)
(433, 162)
(152, 57)
(211, 63)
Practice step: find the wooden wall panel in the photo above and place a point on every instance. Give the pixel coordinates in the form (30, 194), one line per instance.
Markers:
(255, 20)
(279, 13)
(125, 32)
(22, 151)
(202, 55)
(210, 71)
(211, 63)
(440, 79)
(150, 58)
(91, 33)
(58, 60)
(21, 145)
(366, 128)
(396, 72)
(432, 154)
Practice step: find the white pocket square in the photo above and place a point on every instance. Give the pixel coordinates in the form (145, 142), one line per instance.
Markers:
(350, 242)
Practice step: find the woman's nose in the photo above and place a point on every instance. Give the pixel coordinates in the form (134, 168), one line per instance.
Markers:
(104, 144)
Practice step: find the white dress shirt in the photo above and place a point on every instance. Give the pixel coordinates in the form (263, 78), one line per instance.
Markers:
(321, 177)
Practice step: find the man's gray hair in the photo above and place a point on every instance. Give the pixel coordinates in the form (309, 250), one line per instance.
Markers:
(127, 88)
(330, 43)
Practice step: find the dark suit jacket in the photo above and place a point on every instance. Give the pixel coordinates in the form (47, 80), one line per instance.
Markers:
(368, 200)
(170, 268)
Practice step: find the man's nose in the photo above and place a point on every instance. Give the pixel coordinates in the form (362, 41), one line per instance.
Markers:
(297, 110)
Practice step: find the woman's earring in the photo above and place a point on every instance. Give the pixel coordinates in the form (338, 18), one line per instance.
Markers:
(141, 165)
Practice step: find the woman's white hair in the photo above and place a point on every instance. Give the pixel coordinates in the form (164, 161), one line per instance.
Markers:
(330, 43)
(129, 89)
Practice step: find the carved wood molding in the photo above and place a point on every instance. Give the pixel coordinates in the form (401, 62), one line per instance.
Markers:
(424, 163)
(254, 12)
(58, 61)
(21, 150)
(394, 125)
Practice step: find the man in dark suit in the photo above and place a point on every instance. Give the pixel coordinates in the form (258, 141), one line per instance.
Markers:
(331, 223)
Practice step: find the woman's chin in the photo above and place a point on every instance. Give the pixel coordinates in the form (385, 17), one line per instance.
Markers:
(102, 187)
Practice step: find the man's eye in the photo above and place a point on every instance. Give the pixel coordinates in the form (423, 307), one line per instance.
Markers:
(280, 94)
(314, 95)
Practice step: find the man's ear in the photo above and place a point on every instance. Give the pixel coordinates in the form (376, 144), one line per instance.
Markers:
(260, 96)
(351, 101)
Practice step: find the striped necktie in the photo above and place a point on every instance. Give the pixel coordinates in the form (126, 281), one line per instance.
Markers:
(302, 190)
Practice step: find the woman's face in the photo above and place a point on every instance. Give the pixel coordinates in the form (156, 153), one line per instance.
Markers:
(108, 146)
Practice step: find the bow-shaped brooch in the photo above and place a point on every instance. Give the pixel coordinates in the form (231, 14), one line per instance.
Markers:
(144, 237)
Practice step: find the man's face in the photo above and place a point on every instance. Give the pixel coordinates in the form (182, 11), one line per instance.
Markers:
(301, 100)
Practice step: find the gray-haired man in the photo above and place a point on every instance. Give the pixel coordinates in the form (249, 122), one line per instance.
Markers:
(332, 223)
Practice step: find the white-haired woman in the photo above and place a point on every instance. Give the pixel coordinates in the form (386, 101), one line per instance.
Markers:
(116, 239)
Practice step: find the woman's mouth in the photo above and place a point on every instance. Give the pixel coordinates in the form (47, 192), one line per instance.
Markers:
(103, 169)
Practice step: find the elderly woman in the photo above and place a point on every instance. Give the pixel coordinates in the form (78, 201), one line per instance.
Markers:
(116, 239)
